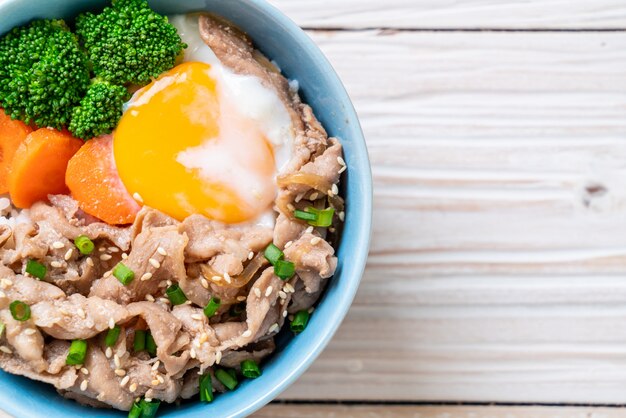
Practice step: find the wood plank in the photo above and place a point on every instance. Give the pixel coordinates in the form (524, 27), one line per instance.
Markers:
(449, 14)
(443, 411)
(497, 268)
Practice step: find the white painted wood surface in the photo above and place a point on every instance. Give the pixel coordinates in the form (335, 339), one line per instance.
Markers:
(498, 262)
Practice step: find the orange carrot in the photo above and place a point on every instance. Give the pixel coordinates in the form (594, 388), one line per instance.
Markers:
(39, 165)
(94, 183)
(12, 134)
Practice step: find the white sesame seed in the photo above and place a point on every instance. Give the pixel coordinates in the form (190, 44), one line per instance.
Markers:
(30, 331)
(137, 197)
(120, 372)
(274, 328)
(340, 160)
(197, 317)
(335, 189)
(162, 251)
(84, 370)
(288, 244)
(124, 256)
(329, 192)
(89, 261)
(342, 216)
(78, 366)
(342, 169)
(311, 309)
(218, 357)
(57, 245)
(241, 298)
(154, 263)
(102, 249)
(216, 278)
(247, 333)
(282, 295)
(289, 288)
(106, 257)
(156, 365)
(6, 349)
(146, 398)
(116, 360)
(132, 387)
(155, 382)
(204, 338)
(3, 295)
(146, 277)
(107, 274)
(192, 353)
(164, 300)
(81, 313)
(114, 250)
(109, 352)
(257, 292)
(315, 240)
(56, 264)
(64, 312)
(124, 381)
(163, 283)
(227, 277)
(285, 313)
(149, 298)
(169, 282)
(160, 378)
(250, 255)
(291, 207)
(111, 323)
(83, 385)
(309, 230)
(313, 196)
(298, 197)
(68, 254)
(204, 283)
(5, 283)
(268, 291)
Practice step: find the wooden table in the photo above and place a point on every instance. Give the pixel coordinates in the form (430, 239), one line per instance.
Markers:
(497, 135)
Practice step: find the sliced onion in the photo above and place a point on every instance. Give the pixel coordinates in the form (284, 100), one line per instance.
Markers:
(317, 182)
(235, 281)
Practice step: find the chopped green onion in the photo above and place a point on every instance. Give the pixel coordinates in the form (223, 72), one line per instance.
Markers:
(324, 218)
(112, 336)
(212, 306)
(284, 269)
(149, 409)
(77, 353)
(300, 320)
(151, 346)
(135, 411)
(84, 244)
(305, 216)
(123, 273)
(226, 378)
(250, 369)
(206, 388)
(36, 269)
(139, 344)
(19, 310)
(176, 295)
(2, 326)
(237, 309)
(273, 254)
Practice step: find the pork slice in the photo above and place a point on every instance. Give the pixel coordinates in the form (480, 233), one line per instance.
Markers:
(209, 238)
(191, 384)
(287, 229)
(141, 373)
(5, 234)
(103, 384)
(257, 352)
(300, 298)
(148, 245)
(26, 245)
(77, 317)
(203, 338)
(25, 339)
(61, 378)
(164, 328)
(26, 289)
(314, 259)
(150, 218)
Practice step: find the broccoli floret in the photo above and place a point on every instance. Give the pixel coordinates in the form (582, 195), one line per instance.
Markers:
(99, 111)
(43, 73)
(129, 42)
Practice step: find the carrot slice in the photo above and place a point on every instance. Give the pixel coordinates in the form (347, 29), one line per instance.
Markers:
(94, 183)
(12, 134)
(39, 165)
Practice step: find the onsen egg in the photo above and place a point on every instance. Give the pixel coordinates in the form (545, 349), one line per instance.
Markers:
(201, 139)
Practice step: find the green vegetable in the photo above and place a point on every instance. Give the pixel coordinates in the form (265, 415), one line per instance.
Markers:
(300, 321)
(316, 217)
(77, 353)
(2, 326)
(139, 343)
(212, 306)
(206, 388)
(36, 269)
(144, 409)
(272, 253)
(226, 378)
(84, 244)
(250, 369)
(43, 73)
(123, 273)
(19, 310)
(176, 295)
(99, 111)
(129, 42)
(284, 269)
(112, 336)
(151, 346)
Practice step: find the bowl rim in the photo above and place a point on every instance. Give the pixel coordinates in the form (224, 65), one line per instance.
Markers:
(361, 232)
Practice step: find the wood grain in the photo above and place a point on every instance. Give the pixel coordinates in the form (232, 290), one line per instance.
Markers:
(450, 14)
(497, 268)
(445, 411)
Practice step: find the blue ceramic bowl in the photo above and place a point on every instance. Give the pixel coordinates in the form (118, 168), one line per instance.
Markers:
(282, 41)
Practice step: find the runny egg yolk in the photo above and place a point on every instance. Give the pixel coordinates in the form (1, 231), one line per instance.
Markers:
(185, 148)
